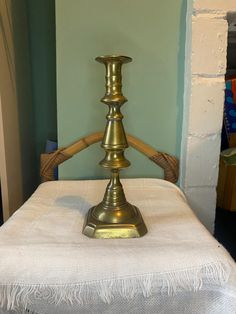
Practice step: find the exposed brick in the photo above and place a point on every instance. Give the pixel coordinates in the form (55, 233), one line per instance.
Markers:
(206, 106)
(203, 202)
(202, 160)
(215, 5)
(209, 45)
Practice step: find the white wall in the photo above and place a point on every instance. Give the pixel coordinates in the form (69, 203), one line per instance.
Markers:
(206, 45)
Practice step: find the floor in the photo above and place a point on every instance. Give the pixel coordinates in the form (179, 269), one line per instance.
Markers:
(225, 230)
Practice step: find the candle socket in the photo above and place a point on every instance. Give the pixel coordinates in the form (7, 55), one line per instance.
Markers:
(114, 217)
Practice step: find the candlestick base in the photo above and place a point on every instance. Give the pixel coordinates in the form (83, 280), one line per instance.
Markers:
(134, 228)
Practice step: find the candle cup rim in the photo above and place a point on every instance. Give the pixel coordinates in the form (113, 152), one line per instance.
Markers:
(113, 58)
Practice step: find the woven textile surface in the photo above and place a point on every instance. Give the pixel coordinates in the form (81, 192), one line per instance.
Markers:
(48, 266)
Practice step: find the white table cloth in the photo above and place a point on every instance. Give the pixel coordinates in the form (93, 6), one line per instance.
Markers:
(48, 266)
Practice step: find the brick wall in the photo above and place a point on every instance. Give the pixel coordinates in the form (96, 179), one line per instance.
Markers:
(206, 46)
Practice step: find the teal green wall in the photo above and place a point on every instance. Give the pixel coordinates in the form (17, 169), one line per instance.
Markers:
(152, 33)
(42, 41)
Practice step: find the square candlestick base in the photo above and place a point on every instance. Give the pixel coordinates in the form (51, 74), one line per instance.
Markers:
(94, 228)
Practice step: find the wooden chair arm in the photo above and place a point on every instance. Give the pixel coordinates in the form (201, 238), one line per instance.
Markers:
(49, 161)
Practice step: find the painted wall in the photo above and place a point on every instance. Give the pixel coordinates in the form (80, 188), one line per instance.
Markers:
(203, 104)
(27, 94)
(17, 154)
(41, 30)
(153, 34)
(25, 106)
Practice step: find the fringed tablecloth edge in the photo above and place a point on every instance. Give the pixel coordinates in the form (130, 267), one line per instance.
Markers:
(16, 295)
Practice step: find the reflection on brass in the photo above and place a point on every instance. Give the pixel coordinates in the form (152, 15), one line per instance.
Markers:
(114, 217)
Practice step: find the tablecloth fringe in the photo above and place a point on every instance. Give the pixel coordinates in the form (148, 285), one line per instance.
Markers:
(18, 311)
(20, 296)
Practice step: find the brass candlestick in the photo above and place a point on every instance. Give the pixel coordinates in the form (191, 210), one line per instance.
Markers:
(114, 217)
